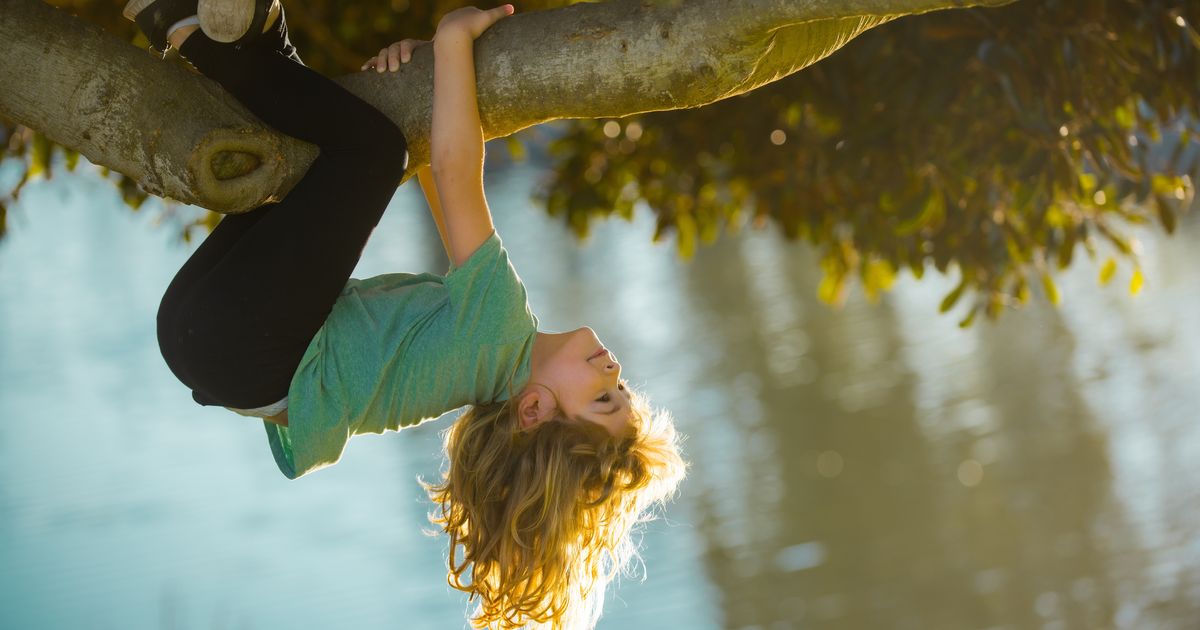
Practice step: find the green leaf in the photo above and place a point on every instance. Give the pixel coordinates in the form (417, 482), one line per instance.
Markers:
(660, 230)
(41, 156)
(932, 212)
(131, 194)
(951, 298)
(878, 276)
(685, 226)
(916, 264)
(1055, 217)
(1120, 243)
(1066, 250)
(1136, 282)
(1164, 184)
(969, 319)
(1108, 271)
(831, 288)
(995, 304)
(516, 148)
(578, 220)
(710, 229)
(1166, 213)
(1023, 292)
(1087, 183)
(1124, 116)
(1051, 289)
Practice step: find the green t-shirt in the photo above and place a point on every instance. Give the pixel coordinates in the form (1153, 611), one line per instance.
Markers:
(399, 349)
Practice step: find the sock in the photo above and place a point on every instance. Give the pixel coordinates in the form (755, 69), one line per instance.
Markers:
(181, 23)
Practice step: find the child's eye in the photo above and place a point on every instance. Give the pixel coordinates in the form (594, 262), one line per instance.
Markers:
(604, 398)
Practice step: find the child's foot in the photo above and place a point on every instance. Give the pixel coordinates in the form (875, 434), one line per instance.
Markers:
(180, 34)
(155, 17)
(276, 40)
(236, 21)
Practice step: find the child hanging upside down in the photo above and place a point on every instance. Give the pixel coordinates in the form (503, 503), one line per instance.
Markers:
(554, 460)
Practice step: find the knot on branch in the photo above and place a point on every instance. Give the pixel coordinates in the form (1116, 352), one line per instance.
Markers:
(231, 168)
(232, 164)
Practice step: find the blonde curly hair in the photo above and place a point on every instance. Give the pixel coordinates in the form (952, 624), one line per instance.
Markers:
(545, 515)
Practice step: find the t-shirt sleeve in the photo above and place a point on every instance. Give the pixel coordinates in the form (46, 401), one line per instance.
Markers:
(487, 297)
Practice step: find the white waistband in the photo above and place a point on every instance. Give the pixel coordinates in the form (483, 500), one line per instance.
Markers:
(272, 409)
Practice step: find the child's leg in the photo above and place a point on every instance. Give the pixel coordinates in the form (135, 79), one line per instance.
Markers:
(231, 227)
(235, 331)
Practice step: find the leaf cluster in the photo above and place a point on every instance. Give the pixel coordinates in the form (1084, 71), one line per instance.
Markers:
(997, 141)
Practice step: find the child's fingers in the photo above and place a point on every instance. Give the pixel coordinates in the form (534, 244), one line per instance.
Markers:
(502, 11)
(393, 57)
(407, 46)
(395, 54)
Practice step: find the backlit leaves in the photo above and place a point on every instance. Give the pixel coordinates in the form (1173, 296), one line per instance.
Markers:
(1108, 271)
(1001, 142)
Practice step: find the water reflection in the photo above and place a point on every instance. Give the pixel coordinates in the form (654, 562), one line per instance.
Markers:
(891, 470)
(873, 467)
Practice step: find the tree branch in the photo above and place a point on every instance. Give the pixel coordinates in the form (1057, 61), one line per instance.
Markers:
(182, 136)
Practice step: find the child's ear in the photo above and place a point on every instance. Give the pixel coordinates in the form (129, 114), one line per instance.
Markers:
(534, 405)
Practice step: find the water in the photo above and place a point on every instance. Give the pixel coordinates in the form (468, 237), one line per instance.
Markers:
(873, 467)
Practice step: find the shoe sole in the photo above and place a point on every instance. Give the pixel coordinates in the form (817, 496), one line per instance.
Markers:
(226, 20)
(134, 7)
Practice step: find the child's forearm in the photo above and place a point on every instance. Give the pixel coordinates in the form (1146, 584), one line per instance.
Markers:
(456, 152)
(457, 136)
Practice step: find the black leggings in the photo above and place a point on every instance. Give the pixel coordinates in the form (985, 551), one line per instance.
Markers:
(237, 318)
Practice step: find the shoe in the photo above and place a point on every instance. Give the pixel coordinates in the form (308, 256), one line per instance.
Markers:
(235, 21)
(154, 17)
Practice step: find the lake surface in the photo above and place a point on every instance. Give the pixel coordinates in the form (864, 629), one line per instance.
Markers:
(869, 467)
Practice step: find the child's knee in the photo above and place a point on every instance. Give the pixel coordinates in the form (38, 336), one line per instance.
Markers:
(388, 147)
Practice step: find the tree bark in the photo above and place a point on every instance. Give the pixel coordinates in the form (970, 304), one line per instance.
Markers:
(182, 136)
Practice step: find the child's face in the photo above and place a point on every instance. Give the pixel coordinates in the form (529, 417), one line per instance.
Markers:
(585, 379)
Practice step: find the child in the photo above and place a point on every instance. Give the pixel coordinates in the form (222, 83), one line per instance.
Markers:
(556, 458)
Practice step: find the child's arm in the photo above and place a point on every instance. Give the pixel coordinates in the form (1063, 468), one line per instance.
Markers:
(457, 136)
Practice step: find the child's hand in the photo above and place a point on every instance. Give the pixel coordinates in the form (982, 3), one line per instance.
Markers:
(391, 57)
(473, 21)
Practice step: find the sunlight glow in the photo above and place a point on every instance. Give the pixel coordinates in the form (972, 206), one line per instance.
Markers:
(829, 464)
(970, 473)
